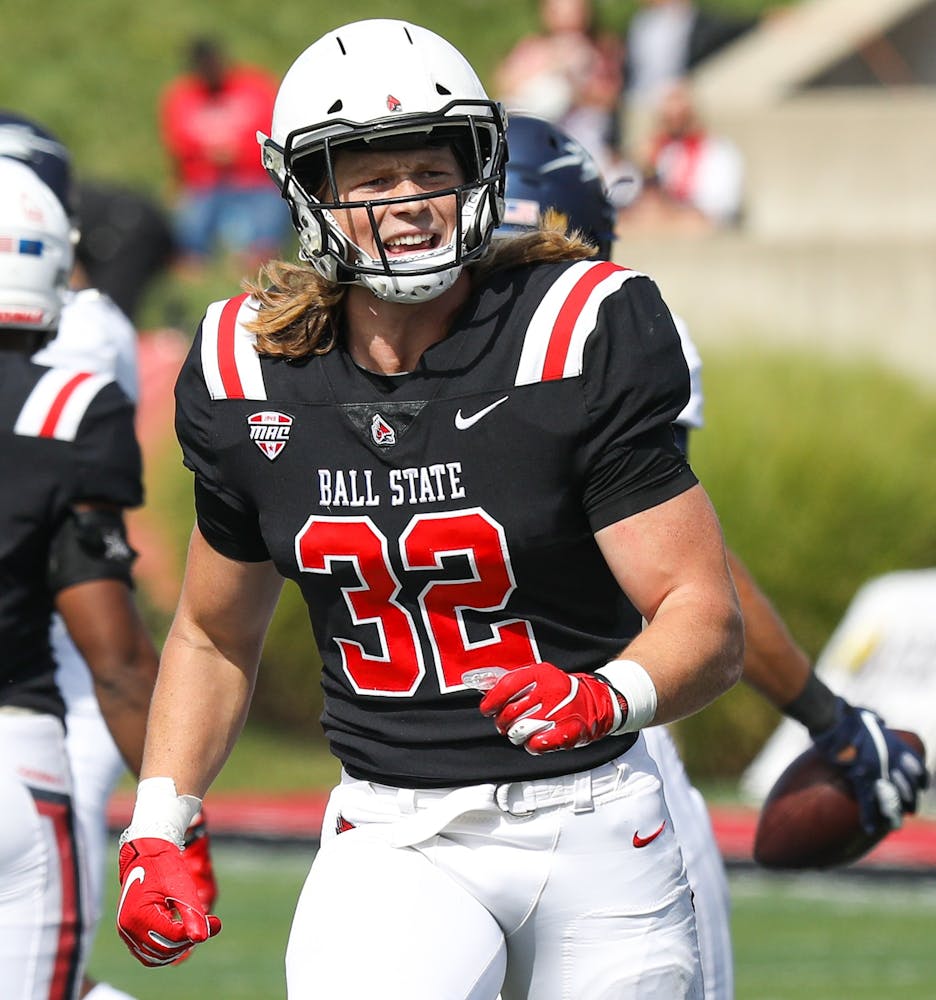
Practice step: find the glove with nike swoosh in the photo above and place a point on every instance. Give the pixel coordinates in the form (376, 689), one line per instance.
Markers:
(542, 708)
(163, 908)
(159, 915)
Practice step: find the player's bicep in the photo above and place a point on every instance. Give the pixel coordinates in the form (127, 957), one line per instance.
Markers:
(673, 547)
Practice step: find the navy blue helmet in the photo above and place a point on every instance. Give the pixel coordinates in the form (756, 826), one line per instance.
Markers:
(547, 168)
(24, 140)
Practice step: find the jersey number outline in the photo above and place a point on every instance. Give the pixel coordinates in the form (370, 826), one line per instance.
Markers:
(397, 669)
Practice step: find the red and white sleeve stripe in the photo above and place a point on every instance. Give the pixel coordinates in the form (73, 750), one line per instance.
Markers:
(229, 358)
(554, 343)
(58, 403)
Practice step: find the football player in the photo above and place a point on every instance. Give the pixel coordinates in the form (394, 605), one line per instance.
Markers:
(550, 171)
(70, 466)
(461, 452)
(92, 335)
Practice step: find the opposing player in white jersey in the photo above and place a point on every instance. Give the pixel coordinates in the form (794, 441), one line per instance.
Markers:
(549, 170)
(93, 335)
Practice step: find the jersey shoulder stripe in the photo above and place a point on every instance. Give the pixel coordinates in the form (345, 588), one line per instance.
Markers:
(554, 342)
(229, 359)
(58, 403)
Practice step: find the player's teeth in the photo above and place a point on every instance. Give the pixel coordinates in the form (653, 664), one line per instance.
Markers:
(406, 241)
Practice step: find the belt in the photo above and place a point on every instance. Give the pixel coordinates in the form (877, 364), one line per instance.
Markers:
(431, 810)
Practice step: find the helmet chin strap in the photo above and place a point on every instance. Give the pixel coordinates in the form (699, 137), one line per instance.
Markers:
(410, 288)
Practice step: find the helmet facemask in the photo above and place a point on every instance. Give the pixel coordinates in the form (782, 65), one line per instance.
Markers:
(304, 168)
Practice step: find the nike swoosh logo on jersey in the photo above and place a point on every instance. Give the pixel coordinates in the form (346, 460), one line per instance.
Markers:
(643, 841)
(463, 423)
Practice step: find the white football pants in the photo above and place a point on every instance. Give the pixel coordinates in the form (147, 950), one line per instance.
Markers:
(557, 889)
(41, 938)
(704, 865)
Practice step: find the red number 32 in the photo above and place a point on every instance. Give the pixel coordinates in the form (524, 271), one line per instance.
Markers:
(398, 665)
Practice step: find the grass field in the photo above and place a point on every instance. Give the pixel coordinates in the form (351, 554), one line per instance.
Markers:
(805, 938)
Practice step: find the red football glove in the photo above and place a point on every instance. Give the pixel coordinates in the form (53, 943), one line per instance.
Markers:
(159, 915)
(197, 858)
(542, 708)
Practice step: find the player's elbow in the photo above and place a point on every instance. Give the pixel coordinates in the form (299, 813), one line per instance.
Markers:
(731, 657)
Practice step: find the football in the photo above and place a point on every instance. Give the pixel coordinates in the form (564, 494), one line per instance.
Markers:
(810, 816)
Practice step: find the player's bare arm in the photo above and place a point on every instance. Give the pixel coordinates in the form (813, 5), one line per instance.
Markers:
(670, 560)
(105, 625)
(208, 666)
(774, 664)
(206, 677)
(90, 577)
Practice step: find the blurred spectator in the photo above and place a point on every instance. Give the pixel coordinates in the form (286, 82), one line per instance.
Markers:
(571, 74)
(667, 38)
(126, 241)
(693, 180)
(209, 118)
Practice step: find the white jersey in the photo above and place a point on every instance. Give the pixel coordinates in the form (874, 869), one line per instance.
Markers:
(94, 335)
(691, 416)
(883, 655)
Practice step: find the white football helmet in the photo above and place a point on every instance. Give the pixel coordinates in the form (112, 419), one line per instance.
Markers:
(35, 250)
(385, 82)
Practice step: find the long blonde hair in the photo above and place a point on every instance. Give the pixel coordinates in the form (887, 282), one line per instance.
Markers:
(299, 309)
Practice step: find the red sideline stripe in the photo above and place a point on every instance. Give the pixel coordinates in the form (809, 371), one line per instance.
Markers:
(561, 335)
(226, 363)
(294, 814)
(912, 846)
(58, 404)
(299, 814)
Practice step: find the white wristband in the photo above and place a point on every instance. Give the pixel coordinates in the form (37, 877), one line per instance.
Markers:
(160, 812)
(635, 685)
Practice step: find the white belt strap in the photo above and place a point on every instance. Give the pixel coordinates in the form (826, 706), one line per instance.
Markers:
(425, 823)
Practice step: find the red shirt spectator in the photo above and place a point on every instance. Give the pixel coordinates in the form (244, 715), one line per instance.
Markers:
(224, 198)
(210, 122)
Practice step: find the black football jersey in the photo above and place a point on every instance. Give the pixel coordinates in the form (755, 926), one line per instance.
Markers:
(443, 520)
(67, 437)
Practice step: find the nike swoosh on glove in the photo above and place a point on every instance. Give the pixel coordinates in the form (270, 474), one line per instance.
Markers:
(886, 773)
(159, 915)
(542, 708)
(197, 857)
